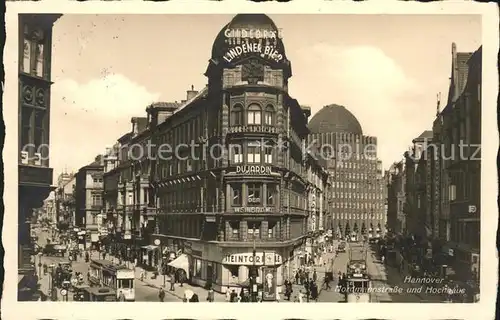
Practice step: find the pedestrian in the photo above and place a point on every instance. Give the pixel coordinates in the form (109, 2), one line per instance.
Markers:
(301, 297)
(314, 276)
(210, 295)
(104, 256)
(233, 296)
(121, 297)
(161, 294)
(172, 282)
(314, 291)
(228, 295)
(278, 298)
(297, 277)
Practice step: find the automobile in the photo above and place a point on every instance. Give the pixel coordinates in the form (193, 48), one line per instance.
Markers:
(54, 249)
(341, 247)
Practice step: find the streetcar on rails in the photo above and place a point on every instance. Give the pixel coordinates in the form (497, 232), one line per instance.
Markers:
(357, 288)
(117, 277)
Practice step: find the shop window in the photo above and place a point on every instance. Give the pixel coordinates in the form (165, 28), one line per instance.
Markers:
(237, 115)
(233, 270)
(197, 268)
(236, 194)
(269, 115)
(254, 114)
(253, 152)
(254, 193)
(236, 153)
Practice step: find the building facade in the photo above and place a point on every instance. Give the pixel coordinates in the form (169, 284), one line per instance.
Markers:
(241, 202)
(358, 187)
(88, 203)
(396, 221)
(441, 178)
(461, 127)
(65, 200)
(35, 175)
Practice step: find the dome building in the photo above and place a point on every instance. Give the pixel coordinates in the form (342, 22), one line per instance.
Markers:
(357, 200)
(247, 213)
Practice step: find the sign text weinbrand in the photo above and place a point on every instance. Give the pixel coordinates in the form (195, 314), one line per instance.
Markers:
(268, 52)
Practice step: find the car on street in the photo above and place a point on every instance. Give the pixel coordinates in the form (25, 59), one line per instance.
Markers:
(341, 247)
(54, 249)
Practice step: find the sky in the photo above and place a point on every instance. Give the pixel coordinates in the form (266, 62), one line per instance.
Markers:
(385, 69)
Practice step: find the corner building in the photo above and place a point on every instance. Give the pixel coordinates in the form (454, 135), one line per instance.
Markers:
(243, 203)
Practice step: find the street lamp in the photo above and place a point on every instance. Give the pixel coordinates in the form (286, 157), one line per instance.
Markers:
(254, 270)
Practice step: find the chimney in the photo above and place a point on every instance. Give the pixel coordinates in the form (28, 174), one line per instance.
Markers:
(135, 129)
(191, 93)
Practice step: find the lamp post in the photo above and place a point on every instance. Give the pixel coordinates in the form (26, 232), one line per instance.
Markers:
(254, 270)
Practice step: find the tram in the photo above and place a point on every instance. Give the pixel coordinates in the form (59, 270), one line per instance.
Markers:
(117, 277)
(357, 289)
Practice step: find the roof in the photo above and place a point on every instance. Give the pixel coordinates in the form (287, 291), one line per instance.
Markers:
(165, 105)
(427, 134)
(334, 118)
(244, 21)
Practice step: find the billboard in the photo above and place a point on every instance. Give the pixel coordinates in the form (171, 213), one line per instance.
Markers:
(269, 284)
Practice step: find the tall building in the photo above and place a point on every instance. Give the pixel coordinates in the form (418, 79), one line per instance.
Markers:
(358, 187)
(417, 176)
(461, 136)
(35, 175)
(88, 202)
(441, 178)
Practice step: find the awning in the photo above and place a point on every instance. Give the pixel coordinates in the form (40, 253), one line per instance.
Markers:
(181, 262)
(150, 247)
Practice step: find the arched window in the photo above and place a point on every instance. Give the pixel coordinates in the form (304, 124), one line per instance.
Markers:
(237, 115)
(254, 114)
(269, 115)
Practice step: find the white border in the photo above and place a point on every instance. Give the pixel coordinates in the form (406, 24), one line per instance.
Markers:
(11, 309)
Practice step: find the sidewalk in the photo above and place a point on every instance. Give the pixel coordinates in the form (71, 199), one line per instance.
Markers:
(394, 277)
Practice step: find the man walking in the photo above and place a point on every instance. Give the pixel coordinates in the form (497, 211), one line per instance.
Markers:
(161, 294)
(172, 282)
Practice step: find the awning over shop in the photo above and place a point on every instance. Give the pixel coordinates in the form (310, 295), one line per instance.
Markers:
(149, 247)
(181, 262)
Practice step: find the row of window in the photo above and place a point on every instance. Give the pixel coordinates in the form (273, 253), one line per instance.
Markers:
(254, 115)
(358, 216)
(357, 195)
(353, 165)
(357, 205)
(355, 176)
(254, 194)
(255, 230)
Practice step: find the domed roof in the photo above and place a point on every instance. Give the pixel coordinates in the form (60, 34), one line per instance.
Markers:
(334, 118)
(245, 22)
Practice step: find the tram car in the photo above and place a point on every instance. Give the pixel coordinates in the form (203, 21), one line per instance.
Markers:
(116, 277)
(357, 288)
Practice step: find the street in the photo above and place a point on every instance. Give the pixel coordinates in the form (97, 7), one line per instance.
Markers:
(143, 290)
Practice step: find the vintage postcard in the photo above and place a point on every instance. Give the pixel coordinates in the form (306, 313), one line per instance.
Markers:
(226, 156)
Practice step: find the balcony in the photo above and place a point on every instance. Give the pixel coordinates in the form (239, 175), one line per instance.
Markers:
(35, 175)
